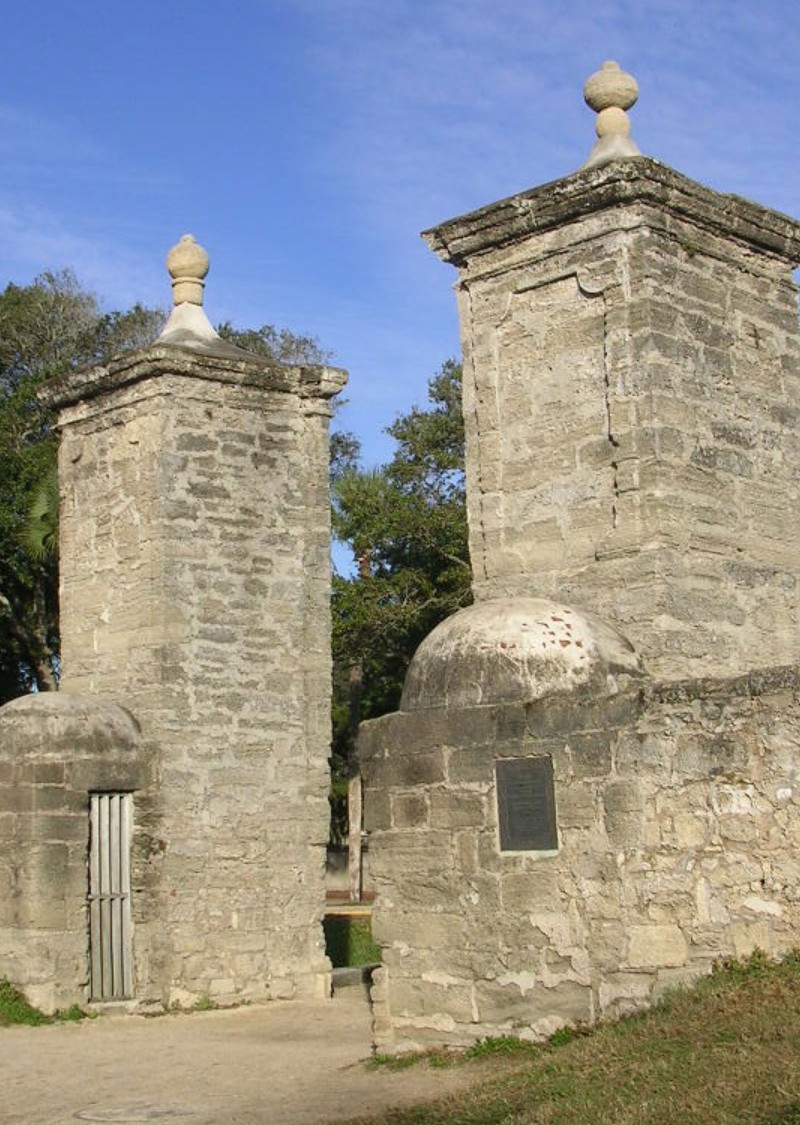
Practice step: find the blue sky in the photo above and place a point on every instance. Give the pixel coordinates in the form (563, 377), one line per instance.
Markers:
(306, 143)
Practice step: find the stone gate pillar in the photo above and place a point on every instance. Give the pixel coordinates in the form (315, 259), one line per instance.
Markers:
(631, 380)
(560, 829)
(195, 574)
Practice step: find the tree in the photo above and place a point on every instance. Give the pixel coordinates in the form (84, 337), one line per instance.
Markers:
(278, 344)
(408, 518)
(405, 524)
(46, 328)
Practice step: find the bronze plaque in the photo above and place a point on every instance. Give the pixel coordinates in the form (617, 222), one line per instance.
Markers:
(526, 804)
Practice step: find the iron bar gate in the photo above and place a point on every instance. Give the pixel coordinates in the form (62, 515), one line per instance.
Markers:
(110, 945)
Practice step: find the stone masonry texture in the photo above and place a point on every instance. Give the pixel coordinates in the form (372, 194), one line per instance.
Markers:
(631, 388)
(54, 750)
(195, 592)
(677, 810)
(631, 381)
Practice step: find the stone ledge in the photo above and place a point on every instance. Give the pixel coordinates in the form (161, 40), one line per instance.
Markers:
(306, 381)
(760, 681)
(622, 183)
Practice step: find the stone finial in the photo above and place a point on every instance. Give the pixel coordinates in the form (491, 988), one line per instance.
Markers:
(187, 263)
(188, 326)
(610, 92)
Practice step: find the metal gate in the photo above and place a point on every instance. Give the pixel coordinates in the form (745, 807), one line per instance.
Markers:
(110, 896)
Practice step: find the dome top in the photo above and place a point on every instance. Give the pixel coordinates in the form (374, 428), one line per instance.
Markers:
(515, 650)
(52, 723)
(187, 263)
(610, 92)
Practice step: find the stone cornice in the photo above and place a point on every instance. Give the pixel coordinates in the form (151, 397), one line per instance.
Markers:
(307, 381)
(620, 184)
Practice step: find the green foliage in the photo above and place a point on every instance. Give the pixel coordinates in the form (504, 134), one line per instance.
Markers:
(73, 1014)
(348, 941)
(278, 344)
(405, 524)
(15, 1009)
(505, 1045)
(39, 534)
(393, 1062)
(746, 968)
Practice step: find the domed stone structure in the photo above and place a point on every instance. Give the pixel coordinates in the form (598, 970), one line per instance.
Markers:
(52, 723)
(515, 650)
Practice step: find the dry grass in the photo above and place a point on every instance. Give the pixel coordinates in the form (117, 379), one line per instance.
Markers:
(727, 1051)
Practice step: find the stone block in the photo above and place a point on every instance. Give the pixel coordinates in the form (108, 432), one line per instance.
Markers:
(404, 769)
(749, 936)
(489, 856)
(443, 933)
(425, 891)
(466, 851)
(505, 1004)
(656, 947)
(526, 892)
(472, 726)
(524, 1001)
(19, 799)
(435, 995)
(623, 803)
(591, 754)
(575, 806)
(410, 810)
(55, 827)
(620, 994)
(454, 808)
(471, 765)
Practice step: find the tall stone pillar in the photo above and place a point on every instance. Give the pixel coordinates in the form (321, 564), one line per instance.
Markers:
(195, 574)
(560, 830)
(631, 381)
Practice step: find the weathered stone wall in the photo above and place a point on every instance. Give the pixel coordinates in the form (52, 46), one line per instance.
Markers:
(55, 749)
(631, 379)
(678, 813)
(195, 590)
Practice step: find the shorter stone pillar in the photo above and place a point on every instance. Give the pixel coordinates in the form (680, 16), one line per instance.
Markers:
(195, 590)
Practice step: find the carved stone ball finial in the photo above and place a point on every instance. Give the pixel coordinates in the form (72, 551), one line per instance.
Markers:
(187, 263)
(610, 92)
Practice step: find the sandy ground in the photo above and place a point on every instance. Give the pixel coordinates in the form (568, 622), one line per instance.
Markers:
(280, 1064)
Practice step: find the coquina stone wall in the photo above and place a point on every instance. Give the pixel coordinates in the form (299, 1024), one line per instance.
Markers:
(55, 750)
(631, 387)
(678, 820)
(195, 578)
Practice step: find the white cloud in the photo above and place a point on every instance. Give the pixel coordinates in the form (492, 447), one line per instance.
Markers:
(34, 239)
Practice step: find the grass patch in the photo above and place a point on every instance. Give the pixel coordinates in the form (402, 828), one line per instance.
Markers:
(504, 1045)
(348, 941)
(726, 1052)
(15, 1009)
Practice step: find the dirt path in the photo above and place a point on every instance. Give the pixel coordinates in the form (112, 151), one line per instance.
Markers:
(280, 1064)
